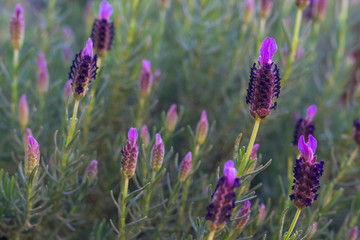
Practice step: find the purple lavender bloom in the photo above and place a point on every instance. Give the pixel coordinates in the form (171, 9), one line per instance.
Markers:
(307, 173)
(352, 234)
(262, 214)
(264, 82)
(43, 74)
(26, 136)
(248, 11)
(146, 79)
(244, 216)
(301, 4)
(17, 27)
(185, 167)
(265, 8)
(83, 70)
(305, 126)
(23, 111)
(157, 153)
(171, 118)
(145, 135)
(356, 131)
(223, 199)
(32, 156)
(316, 10)
(103, 29)
(202, 128)
(130, 154)
(91, 170)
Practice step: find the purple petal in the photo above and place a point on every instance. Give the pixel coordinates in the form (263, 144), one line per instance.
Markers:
(146, 64)
(88, 50)
(311, 111)
(105, 10)
(18, 9)
(203, 116)
(247, 204)
(268, 48)
(158, 139)
(32, 142)
(312, 144)
(133, 135)
(230, 172)
(302, 145)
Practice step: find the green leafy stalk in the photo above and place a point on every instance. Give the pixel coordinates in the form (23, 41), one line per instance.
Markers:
(122, 209)
(296, 217)
(14, 95)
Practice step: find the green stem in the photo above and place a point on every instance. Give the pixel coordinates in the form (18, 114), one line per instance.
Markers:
(14, 94)
(132, 26)
(42, 106)
(294, 44)
(296, 217)
(148, 196)
(211, 235)
(250, 146)
(122, 214)
(140, 110)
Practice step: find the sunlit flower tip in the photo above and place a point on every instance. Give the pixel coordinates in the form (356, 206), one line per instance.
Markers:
(305, 126)
(26, 135)
(264, 83)
(313, 230)
(130, 154)
(307, 173)
(352, 234)
(265, 8)
(17, 27)
(157, 153)
(146, 79)
(316, 10)
(32, 156)
(185, 167)
(43, 74)
(23, 111)
(242, 217)
(249, 10)
(301, 4)
(103, 29)
(356, 131)
(83, 71)
(91, 170)
(262, 214)
(145, 136)
(223, 199)
(171, 118)
(202, 128)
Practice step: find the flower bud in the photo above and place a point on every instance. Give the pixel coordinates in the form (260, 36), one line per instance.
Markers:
(262, 214)
(248, 11)
(301, 4)
(253, 156)
(265, 8)
(352, 234)
(244, 216)
(26, 136)
(145, 136)
(43, 74)
(23, 112)
(32, 157)
(313, 230)
(202, 128)
(185, 167)
(91, 170)
(146, 79)
(130, 154)
(157, 153)
(171, 118)
(17, 27)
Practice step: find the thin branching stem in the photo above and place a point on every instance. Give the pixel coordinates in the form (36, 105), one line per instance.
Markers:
(296, 217)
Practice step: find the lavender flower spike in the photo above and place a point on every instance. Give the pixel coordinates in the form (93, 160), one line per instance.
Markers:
(305, 126)
(32, 156)
(17, 27)
(307, 173)
(146, 79)
(83, 70)
(356, 131)
(265, 8)
(352, 234)
(264, 82)
(145, 135)
(185, 167)
(43, 74)
(202, 128)
(130, 154)
(157, 153)
(103, 29)
(91, 170)
(23, 112)
(223, 199)
(244, 216)
(171, 118)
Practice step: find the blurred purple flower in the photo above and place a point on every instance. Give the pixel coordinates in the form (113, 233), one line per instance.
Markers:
(248, 11)
(145, 135)
(356, 131)
(157, 153)
(43, 74)
(305, 126)
(171, 118)
(352, 234)
(91, 170)
(17, 27)
(185, 167)
(146, 79)
(23, 112)
(202, 128)
(26, 135)
(265, 8)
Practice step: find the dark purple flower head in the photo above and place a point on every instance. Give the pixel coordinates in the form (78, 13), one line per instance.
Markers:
(83, 70)
(103, 30)
(130, 154)
(17, 27)
(264, 82)
(146, 78)
(356, 131)
(305, 126)
(244, 216)
(307, 173)
(223, 199)
(316, 10)
(157, 153)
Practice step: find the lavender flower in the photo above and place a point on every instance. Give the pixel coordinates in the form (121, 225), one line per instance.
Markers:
(265, 8)
(171, 118)
(91, 170)
(32, 156)
(262, 214)
(244, 216)
(264, 82)
(253, 156)
(223, 199)
(202, 128)
(146, 79)
(23, 111)
(103, 30)
(17, 27)
(26, 136)
(316, 10)
(307, 173)
(248, 11)
(43, 74)
(301, 4)
(157, 153)
(356, 131)
(83, 70)
(185, 167)
(145, 136)
(352, 234)
(130, 154)
(305, 126)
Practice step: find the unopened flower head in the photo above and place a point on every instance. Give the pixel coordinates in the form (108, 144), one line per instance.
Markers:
(17, 27)
(202, 128)
(356, 131)
(83, 70)
(313, 230)
(145, 135)
(253, 156)
(171, 118)
(26, 135)
(23, 112)
(316, 10)
(248, 11)
(243, 217)
(43, 74)
(130, 154)
(32, 156)
(223, 199)
(103, 29)
(352, 234)
(146, 79)
(305, 126)
(262, 214)
(301, 4)
(265, 8)
(307, 173)
(185, 167)
(91, 170)
(264, 82)
(157, 153)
